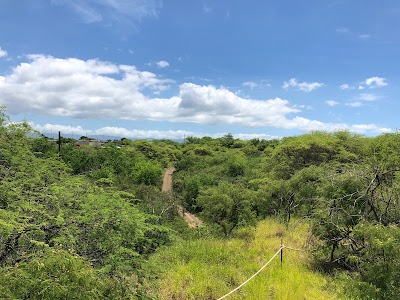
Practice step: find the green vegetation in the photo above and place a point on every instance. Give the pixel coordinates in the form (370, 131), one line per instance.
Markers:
(61, 236)
(205, 268)
(92, 222)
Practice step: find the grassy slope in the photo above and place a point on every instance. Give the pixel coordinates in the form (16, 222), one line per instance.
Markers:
(210, 268)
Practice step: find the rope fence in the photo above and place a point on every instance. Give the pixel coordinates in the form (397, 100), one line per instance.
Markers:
(295, 249)
(263, 267)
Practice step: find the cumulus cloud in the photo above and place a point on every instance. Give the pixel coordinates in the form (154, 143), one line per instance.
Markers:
(312, 125)
(95, 89)
(303, 86)
(365, 97)
(140, 134)
(368, 97)
(126, 12)
(331, 103)
(260, 84)
(250, 84)
(362, 128)
(178, 134)
(354, 104)
(249, 136)
(211, 105)
(3, 53)
(346, 87)
(374, 82)
(88, 89)
(112, 131)
(162, 64)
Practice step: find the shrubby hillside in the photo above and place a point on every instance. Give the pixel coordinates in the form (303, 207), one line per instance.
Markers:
(85, 224)
(345, 185)
(66, 236)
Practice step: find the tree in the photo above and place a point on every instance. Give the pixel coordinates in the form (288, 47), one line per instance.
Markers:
(236, 165)
(146, 172)
(85, 138)
(227, 205)
(58, 274)
(295, 153)
(227, 140)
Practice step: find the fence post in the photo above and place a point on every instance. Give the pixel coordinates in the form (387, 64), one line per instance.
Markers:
(59, 143)
(281, 253)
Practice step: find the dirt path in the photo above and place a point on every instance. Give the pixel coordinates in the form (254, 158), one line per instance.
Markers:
(167, 182)
(190, 219)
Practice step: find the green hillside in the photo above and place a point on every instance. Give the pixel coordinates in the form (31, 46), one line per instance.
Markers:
(91, 222)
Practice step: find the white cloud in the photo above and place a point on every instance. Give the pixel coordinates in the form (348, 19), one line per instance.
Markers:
(249, 136)
(162, 64)
(368, 97)
(372, 82)
(331, 103)
(125, 12)
(78, 88)
(346, 87)
(87, 13)
(355, 104)
(364, 36)
(179, 134)
(303, 106)
(211, 105)
(261, 84)
(250, 84)
(362, 128)
(112, 131)
(364, 97)
(95, 89)
(139, 134)
(303, 86)
(343, 30)
(376, 82)
(3, 53)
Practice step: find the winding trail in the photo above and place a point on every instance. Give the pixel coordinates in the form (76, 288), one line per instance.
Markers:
(190, 219)
(167, 182)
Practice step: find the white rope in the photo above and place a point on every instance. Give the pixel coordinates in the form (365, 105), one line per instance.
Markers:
(294, 249)
(254, 275)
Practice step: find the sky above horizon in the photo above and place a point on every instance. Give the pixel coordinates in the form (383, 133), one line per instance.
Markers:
(168, 69)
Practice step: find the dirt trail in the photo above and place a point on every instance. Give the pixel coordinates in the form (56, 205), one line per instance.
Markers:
(190, 219)
(167, 182)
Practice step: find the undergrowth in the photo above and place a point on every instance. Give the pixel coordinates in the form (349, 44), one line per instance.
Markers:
(208, 268)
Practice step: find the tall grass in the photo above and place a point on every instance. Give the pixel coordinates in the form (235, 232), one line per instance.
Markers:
(208, 268)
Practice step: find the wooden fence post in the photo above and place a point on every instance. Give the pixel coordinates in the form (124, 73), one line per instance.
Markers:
(281, 253)
(59, 143)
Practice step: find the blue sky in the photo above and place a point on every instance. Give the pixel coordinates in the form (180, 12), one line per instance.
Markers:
(164, 69)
